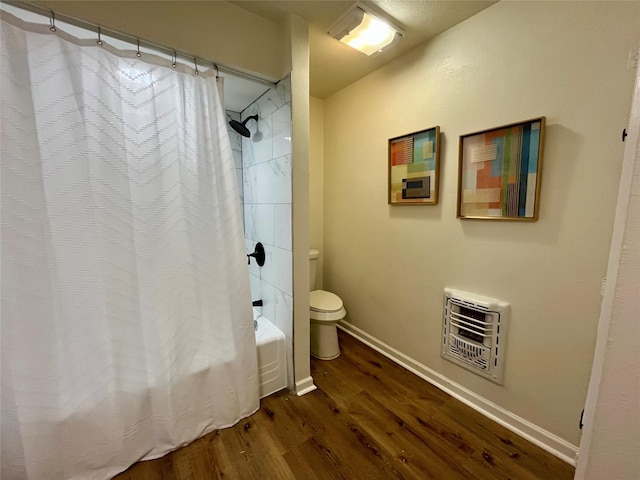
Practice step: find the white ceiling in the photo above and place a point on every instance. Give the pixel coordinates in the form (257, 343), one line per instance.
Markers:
(334, 65)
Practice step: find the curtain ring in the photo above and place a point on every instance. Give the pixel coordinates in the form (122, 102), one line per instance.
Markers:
(99, 42)
(138, 54)
(52, 22)
(195, 64)
(217, 71)
(174, 59)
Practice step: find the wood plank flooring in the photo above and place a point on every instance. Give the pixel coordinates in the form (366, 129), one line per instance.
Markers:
(369, 419)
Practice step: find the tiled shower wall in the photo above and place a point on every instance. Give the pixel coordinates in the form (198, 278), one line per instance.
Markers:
(236, 148)
(266, 180)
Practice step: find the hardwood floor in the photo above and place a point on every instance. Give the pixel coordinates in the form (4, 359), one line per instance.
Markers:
(369, 419)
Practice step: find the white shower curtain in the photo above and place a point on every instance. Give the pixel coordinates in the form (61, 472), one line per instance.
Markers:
(126, 313)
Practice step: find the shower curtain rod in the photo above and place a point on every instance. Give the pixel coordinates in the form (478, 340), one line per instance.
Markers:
(131, 39)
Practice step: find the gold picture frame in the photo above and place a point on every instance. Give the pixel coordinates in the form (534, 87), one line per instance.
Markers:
(414, 168)
(499, 172)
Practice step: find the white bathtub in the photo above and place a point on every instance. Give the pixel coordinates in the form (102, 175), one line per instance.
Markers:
(272, 364)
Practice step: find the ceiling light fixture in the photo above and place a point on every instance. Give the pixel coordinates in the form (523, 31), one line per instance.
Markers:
(363, 29)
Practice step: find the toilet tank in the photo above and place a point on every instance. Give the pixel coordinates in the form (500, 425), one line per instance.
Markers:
(313, 268)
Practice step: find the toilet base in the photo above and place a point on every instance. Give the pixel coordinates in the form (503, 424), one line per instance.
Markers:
(325, 358)
(324, 340)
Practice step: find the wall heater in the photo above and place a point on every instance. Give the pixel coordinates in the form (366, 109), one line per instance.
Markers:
(474, 333)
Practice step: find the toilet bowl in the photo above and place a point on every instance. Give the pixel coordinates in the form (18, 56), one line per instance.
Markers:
(325, 310)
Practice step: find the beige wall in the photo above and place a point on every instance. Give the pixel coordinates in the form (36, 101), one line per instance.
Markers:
(511, 62)
(300, 144)
(316, 181)
(216, 31)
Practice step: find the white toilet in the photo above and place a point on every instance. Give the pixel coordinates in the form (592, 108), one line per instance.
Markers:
(325, 310)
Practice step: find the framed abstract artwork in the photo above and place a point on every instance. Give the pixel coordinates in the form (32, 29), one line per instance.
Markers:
(414, 167)
(499, 172)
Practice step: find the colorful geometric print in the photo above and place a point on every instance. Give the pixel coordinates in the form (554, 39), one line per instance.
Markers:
(413, 167)
(416, 187)
(402, 151)
(501, 169)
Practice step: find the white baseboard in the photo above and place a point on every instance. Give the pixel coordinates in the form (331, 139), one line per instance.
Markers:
(536, 435)
(305, 386)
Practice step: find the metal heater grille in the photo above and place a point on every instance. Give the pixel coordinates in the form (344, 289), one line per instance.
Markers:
(473, 333)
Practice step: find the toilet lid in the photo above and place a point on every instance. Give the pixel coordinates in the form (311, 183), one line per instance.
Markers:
(321, 301)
